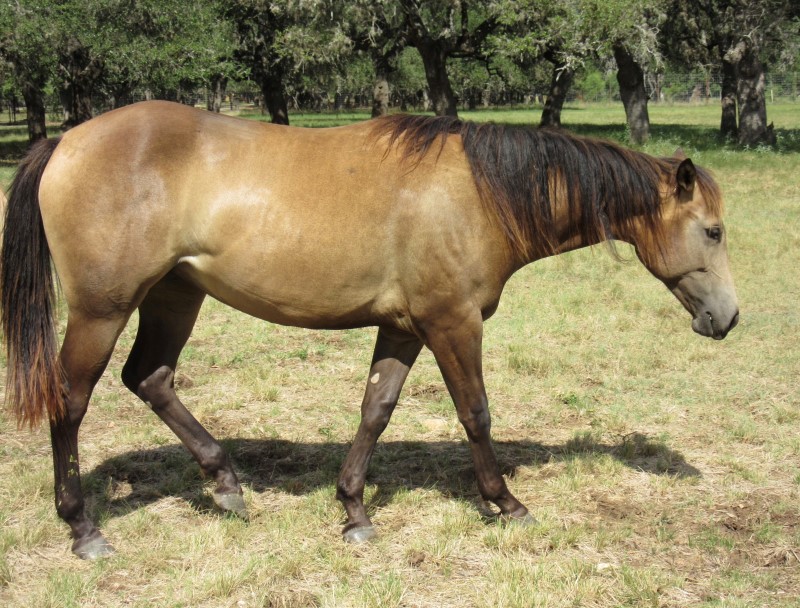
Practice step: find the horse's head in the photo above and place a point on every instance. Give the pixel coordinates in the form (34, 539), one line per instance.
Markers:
(690, 255)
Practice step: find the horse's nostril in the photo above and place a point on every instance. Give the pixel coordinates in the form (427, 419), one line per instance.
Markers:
(734, 321)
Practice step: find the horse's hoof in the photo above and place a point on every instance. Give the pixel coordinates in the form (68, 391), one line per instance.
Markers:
(92, 547)
(360, 534)
(525, 521)
(232, 503)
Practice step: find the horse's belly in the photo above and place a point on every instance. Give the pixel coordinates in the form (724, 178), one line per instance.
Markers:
(288, 296)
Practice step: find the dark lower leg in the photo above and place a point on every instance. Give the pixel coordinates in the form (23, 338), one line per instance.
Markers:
(490, 480)
(88, 542)
(395, 353)
(166, 319)
(84, 355)
(458, 353)
(159, 393)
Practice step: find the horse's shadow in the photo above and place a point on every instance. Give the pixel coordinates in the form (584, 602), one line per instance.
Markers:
(129, 481)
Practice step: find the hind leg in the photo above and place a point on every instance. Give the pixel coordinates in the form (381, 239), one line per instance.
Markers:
(87, 347)
(166, 318)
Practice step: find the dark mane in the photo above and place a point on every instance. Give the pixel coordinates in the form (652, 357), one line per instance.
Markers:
(517, 168)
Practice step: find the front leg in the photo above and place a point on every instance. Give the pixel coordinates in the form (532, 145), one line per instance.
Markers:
(395, 353)
(457, 348)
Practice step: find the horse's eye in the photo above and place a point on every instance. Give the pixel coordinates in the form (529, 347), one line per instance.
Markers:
(714, 233)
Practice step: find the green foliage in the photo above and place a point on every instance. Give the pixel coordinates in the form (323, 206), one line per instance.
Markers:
(409, 75)
(28, 35)
(159, 44)
(702, 33)
(592, 85)
(150, 44)
(499, 51)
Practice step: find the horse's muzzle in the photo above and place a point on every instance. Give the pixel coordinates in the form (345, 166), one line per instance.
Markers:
(707, 325)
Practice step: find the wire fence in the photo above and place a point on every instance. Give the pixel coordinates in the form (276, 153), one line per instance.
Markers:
(682, 87)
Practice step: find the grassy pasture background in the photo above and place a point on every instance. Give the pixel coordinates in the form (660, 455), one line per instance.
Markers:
(663, 468)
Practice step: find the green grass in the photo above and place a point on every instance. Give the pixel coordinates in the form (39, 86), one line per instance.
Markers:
(663, 469)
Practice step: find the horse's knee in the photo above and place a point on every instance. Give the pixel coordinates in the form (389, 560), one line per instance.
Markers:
(376, 417)
(477, 422)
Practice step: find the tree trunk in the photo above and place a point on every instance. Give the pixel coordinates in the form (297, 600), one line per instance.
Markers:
(274, 99)
(753, 128)
(381, 91)
(727, 127)
(216, 92)
(634, 97)
(78, 96)
(434, 59)
(82, 73)
(559, 87)
(34, 104)
(473, 97)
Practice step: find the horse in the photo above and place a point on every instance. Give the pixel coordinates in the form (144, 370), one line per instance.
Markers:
(411, 224)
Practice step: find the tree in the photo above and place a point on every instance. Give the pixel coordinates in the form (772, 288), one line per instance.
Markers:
(753, 35)
(256, 24)
(549, 30)
(630, 77)
(159, 45)
(27, 46)
(375, 28)
(562, 76)
(567, 32)
(741, 37)
(628, 29)
(79, 73)
(441, 29)
(85, 47)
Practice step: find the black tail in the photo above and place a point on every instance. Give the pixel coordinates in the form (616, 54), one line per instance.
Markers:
(35, 381)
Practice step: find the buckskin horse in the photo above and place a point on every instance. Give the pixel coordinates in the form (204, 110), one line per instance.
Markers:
(411, 224)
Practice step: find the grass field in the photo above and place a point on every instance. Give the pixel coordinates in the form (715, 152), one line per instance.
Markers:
(663, 468)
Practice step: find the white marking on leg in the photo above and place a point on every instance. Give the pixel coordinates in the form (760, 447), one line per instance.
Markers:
(375, 378)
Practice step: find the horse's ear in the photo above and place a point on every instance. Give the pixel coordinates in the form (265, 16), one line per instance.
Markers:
(686, 176)
(679, 154)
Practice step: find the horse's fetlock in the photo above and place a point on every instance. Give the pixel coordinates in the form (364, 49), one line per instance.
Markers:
(213, 459)
(157, 389)
(344, 492)
(494, 490)
(68, 507)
